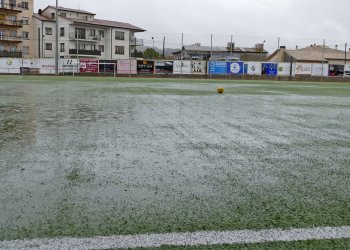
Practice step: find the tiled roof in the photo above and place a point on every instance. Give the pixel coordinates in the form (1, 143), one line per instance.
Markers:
(42, 18)
(71, 10)
(317, 56)
(195, 47)
(107, 23)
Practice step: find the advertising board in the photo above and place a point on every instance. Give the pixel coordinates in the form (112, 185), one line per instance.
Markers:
(217, 68)
(182, 67)
(269, 69)
(127, 67)
(145, 67)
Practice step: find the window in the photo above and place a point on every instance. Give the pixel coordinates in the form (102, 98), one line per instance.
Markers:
(13, 48)
(119, 50)
(12, 3)
(101, 48)
(119, 35)
(80, 33)
(24, 5)
(25, 35)
(82, 46)
(102, 33)
(48, 31)
(93, 47)
(61, 47)
(25, 20)
(92, 32)
(2, 48)
(48, 46)
(13, 33)
(52, 15)
(62, 31)
(12, 18)
(63, 14)
(25, 50)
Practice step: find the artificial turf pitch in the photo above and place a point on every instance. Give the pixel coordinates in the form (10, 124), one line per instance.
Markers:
(82, 157)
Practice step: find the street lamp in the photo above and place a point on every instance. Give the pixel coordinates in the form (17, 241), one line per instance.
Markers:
(153, 47)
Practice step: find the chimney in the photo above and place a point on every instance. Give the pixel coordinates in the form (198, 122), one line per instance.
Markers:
(336, 46)
(296, 47)
(231, 46)
(40, 11)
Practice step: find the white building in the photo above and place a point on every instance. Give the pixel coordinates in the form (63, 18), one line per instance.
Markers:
(81, 35)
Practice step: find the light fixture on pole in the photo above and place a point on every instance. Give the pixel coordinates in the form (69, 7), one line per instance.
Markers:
(153, 52)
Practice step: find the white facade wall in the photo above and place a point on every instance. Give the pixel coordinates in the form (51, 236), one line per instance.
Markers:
(89, 46)
(109, 40)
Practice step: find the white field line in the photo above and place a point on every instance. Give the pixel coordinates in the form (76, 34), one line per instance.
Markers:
(182, 239)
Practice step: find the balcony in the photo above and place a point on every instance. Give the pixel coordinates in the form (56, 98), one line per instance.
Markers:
(73, 36)
(12, 8)
(136, 42)
(10, 23)
(85, 52)
(10, 39)
(15, 54)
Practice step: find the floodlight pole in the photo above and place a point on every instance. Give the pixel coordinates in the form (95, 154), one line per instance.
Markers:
(56, 54)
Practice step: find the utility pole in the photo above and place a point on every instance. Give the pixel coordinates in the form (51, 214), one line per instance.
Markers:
(324, 44)
(56, 54)
(153, 48)
(346, 47)
(164, 47)
(262, 50)
(231, 47)
(182, 50)
(211, 46)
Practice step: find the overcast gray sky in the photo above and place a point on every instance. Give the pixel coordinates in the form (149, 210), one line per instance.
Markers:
(297, 22)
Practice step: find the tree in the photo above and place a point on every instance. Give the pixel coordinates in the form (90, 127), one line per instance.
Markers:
(137, 54)
(151, 54)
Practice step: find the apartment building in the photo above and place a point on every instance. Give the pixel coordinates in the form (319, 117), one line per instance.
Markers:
(16, 28)
(81, 35)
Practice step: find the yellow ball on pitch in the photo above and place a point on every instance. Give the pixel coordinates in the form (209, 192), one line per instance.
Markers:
(220, 90)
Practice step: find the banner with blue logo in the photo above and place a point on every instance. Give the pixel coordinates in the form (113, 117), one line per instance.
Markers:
(235, 68)
(217, 68)
(269, 69)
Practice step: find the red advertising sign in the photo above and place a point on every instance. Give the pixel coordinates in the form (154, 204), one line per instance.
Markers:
(88, 66)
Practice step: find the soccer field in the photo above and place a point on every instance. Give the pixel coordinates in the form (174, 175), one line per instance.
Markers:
(86, 157)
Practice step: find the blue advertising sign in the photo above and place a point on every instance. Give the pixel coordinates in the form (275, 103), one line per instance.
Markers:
(217, 68)
(269, 69)
(235, 68)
